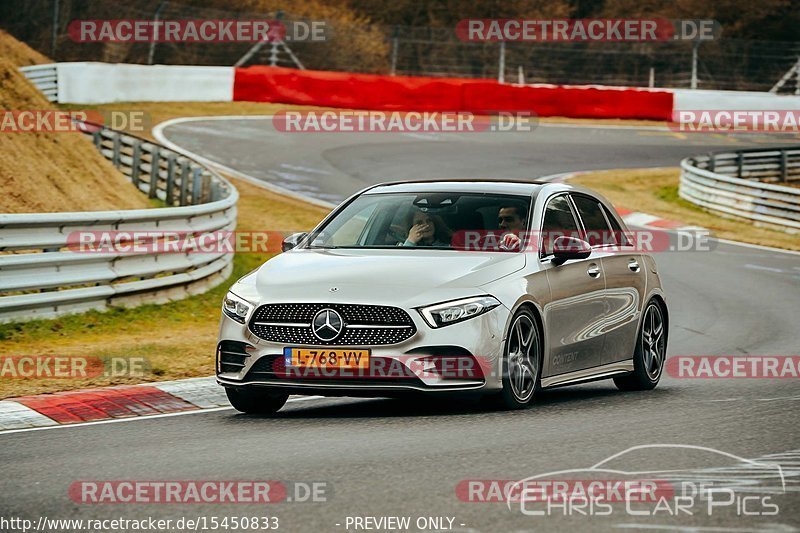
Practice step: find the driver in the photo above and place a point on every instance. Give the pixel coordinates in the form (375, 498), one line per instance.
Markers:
(512, 219)
(425, 230)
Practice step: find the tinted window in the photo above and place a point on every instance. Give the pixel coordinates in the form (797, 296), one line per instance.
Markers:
(621, 239)
(594, 221)
(558, 220)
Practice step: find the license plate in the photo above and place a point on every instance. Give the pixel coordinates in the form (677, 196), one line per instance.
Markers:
(326, 358)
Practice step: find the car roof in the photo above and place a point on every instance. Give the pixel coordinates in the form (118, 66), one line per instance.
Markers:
(461, 185)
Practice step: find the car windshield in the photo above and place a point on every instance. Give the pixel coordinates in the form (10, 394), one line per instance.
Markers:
(450, 220)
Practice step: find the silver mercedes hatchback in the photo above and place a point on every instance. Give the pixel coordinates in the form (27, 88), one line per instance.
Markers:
(447, 287)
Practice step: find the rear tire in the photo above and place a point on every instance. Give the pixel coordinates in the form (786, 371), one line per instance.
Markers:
(256, 401)
(522, 363)
(650, 354)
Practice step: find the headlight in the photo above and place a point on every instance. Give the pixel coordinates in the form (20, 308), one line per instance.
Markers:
(236, 308)
(451, 312)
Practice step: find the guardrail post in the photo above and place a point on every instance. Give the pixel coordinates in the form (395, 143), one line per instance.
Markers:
(155, 167)
(712, 163)
(784, 165)
(117, 146)
(740, 164)
(205, 194)
(170, 198)
(184, 182)
(395, 44)
(197, 182)
(137, 160)
(97, 138)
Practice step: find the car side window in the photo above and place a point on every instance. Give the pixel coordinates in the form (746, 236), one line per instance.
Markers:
(559, 220)
(622, 239)
(598, 232)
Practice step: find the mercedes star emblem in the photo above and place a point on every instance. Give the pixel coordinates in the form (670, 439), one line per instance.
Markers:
(327, 325)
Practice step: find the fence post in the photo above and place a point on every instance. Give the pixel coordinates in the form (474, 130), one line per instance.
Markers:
(395, 44)
(501, 67)
(115, 156)
(197, 182)
(152, 52)
(740, 164)
(711, 162)
(695, 46)
(137, 160)
(797, 77)
(274, 49)
(54, 40)
(784, 165)
(170, 197)
(155, 168)
(184, 182)
(652, 81)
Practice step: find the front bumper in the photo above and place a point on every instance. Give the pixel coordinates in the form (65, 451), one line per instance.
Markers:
(245, 360)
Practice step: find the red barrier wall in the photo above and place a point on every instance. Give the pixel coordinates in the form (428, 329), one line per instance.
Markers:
(406, 93)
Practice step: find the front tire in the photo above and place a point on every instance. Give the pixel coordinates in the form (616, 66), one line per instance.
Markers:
(256, 401)
(651, 352)
(521, 362)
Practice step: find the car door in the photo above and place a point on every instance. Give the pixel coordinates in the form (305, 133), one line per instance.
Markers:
(624, 275)
(574, 314)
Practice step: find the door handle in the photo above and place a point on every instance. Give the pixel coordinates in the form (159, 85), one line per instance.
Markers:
(633, 264)
(593, 271)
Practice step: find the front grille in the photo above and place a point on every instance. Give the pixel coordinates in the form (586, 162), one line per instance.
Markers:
(364, 325)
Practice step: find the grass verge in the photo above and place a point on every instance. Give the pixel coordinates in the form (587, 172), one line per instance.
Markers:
(655, 191)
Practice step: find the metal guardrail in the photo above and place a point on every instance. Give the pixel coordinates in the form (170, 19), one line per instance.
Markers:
(45, 78)
(40, 277)
(746, 184)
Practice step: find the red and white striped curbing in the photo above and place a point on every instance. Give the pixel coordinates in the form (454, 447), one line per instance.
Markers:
(108, 403)
(643, 220)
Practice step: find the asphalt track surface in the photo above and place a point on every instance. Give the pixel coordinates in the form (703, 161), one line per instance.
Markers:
(398, 458)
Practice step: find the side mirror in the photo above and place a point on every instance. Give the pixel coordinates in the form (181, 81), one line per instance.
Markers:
(566, 248)
(292, 240)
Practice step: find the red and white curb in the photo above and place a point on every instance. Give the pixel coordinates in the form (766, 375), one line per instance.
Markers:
(643, 220)
(108, 403)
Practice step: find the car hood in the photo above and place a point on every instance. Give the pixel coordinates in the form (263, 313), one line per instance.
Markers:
(392, 277)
